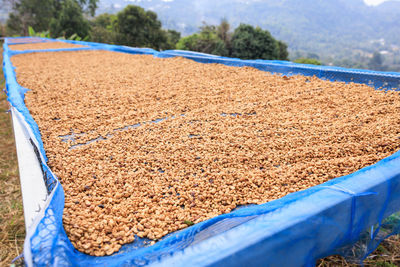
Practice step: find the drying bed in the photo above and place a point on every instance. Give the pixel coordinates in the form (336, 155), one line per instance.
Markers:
(43, 46)
(18, 40)
(146, 146)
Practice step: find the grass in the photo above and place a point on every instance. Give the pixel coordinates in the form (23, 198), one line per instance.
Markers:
(387, 254)
(12, 227)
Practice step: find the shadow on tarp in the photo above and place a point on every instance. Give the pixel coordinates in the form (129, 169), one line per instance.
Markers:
(295, 230)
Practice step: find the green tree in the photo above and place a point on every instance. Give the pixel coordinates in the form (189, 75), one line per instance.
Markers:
(209, 41)
(105, 20)
(137, 27)
(39, 14)
(69, 21)
(102, 29)
(88, 6)
(311, 61)
(283, 54)
(206, 41)
(102, 35)
(223, 32)
(253, 43)
(34, 13)
(173, 38)
(188, 42)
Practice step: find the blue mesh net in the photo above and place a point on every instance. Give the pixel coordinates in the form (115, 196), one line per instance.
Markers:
(295, 230)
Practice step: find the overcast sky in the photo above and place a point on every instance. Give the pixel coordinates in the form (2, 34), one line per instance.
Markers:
(374, 2)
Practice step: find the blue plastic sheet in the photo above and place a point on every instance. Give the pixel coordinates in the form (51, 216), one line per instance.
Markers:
(295, 230)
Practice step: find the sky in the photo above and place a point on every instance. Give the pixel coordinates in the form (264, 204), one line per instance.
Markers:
(374, 2)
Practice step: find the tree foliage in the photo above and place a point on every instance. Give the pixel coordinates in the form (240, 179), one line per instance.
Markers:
(88, 6)
(34, 13)
(246, 42)
(105, 20)
(137, 27)
(41, 15)
(173, 38)
(133, 26)
(253, 43)
(224, 33)
(103, 29)
(69, 21)
(283, 53)
(311, 61)
(206, 41)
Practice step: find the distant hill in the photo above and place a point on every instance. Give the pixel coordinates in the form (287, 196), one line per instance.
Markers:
(337, 31)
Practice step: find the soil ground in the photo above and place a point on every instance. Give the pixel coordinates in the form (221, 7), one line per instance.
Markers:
(12, 227)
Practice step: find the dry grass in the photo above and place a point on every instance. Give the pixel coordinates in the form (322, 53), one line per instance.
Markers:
(386, 255)
(12, 227)
(12, 230)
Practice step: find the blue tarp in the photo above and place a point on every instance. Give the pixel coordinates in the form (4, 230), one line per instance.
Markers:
(295, 230)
